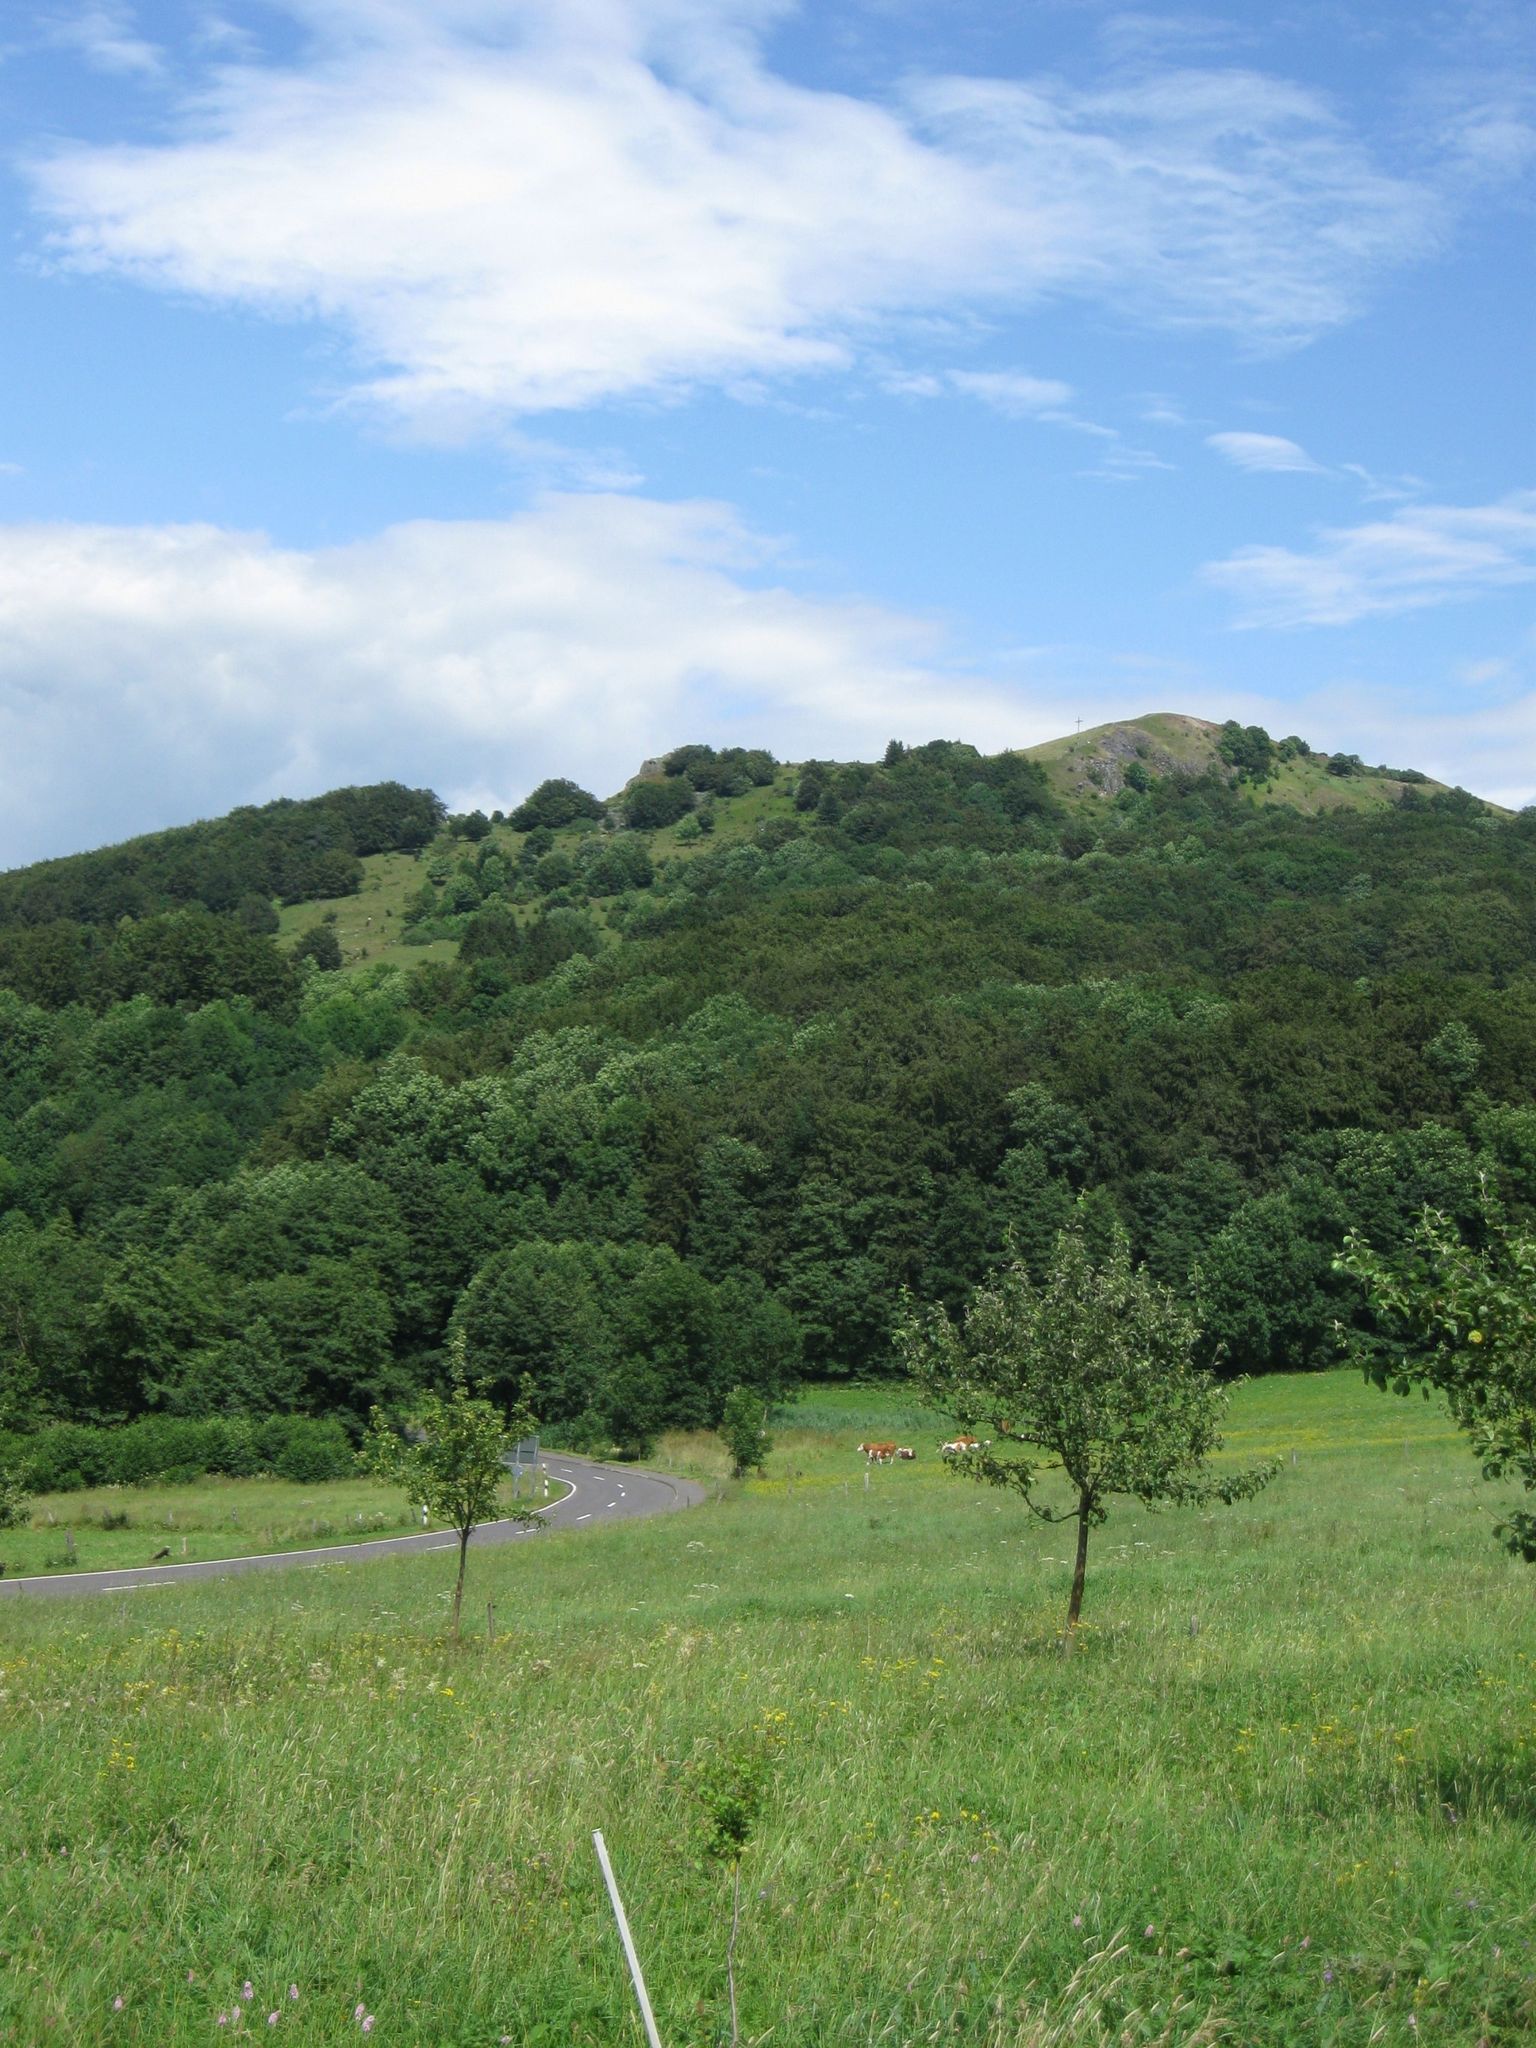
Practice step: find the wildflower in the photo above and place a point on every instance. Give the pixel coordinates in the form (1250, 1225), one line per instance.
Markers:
(293, 1992)
(358, 2011)
(271, 2019)
(223, 2019)
(1151, 1930)
(1077, 1919)
(117, 2004)
(191, 1976)
(1327, 1976)
(245, 1990)
(368, 2023)
(1306, 1941)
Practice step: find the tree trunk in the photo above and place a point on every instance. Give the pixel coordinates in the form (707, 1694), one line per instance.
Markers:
(458, 1591)
(1080, 1571)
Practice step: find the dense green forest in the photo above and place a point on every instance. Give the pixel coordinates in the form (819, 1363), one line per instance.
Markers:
(718, 1068)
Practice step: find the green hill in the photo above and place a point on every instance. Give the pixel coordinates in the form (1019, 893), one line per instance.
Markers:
(1091, 767)
(655, 1093)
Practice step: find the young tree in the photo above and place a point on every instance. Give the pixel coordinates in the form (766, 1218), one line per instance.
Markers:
(1461, 1322)
(453, 1460)
(741, 1426)
(1091, 1367)
(14, 1500)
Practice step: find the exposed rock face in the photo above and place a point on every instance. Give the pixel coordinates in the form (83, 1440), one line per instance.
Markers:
(1098, 766)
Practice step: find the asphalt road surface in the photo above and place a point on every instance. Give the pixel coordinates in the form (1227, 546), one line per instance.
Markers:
(599, 1493)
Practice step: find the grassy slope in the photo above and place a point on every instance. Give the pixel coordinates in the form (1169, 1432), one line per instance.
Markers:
(1176, 743)
(211, 1518)
(366, 924)
(1289, 1782)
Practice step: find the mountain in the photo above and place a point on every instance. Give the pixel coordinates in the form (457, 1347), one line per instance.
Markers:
(655, 1095)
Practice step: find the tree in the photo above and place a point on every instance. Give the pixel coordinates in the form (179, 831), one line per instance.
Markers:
(13, 1500)
(1092, 1367)
(321, 945)
(1460, 1320)
(556, 802)
(742, 1426)
(650, 805)
(454, 1459)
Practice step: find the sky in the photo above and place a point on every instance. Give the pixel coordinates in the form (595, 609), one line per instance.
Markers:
(471, 391)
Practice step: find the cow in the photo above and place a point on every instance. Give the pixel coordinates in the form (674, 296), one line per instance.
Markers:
(878, 1454)
(905, 1451)
(958, 1446)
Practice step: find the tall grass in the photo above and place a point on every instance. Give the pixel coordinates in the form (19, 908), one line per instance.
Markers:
(1285, 1794)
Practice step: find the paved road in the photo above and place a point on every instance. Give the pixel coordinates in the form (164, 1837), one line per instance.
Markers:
(599, 1493)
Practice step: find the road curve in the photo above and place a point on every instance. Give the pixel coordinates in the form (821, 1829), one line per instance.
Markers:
(599, 1493)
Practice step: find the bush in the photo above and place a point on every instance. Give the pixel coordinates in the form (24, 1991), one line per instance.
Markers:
(177, 1449)
(650, 805)
(554, 803)
(306, 1450)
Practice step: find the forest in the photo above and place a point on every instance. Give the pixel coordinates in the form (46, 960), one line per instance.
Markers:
(709, 1073)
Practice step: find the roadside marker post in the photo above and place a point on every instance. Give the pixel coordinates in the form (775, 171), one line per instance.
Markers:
(626, 1939)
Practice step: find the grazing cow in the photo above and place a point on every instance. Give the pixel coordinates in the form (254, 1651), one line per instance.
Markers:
(878, 1454)
(906, 1451)
(958, 1445)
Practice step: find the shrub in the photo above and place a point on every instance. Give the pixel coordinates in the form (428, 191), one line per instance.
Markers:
(68, 1456)
(554, 803)
(650, 805)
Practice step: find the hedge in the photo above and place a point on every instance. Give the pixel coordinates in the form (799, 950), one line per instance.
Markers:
(69, 1455)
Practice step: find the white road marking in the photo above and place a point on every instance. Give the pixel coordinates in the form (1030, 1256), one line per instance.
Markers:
(584, 1518)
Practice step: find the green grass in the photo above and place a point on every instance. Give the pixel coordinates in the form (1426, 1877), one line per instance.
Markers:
(1284, 1794)
(368, 924)
(1190, 745)
(212, 1518)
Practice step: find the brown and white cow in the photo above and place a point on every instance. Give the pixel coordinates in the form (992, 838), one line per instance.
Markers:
(878, 1454)
(958, 1445)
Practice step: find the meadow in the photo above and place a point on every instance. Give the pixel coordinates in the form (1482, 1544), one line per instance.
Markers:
(106, 1528)
(1283, 1793)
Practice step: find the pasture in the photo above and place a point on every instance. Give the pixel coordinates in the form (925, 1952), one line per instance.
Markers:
(1283, 1794)
(107, 1528)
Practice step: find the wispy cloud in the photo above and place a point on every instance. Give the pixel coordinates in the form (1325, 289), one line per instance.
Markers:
(1423, 555)
(1013, 392)
(512, 210)
(106, 35)
(1263, 452)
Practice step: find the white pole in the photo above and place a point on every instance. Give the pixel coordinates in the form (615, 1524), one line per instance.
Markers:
(627, 1939)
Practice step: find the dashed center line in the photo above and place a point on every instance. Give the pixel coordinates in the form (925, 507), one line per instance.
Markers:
(586, 1517)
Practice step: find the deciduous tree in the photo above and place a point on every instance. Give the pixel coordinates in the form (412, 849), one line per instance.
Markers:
(453, 1458)
(1460, 1320)
(1089, 1373)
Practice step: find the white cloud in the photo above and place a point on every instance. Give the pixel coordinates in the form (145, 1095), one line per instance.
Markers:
(154, 674)
(105, 36)
(1262, 452)
(515, 205)
(1012, 391)
(149, 674)
(1422, 555)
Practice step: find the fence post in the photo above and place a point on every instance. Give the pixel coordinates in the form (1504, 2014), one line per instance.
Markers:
(627, 1940)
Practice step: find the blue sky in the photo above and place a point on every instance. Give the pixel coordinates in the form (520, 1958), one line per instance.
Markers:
(474, 390)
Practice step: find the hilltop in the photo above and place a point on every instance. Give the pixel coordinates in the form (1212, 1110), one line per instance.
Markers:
(1095, 766)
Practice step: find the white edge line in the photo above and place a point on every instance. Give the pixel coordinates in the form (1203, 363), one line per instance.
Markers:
(340, 1551)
